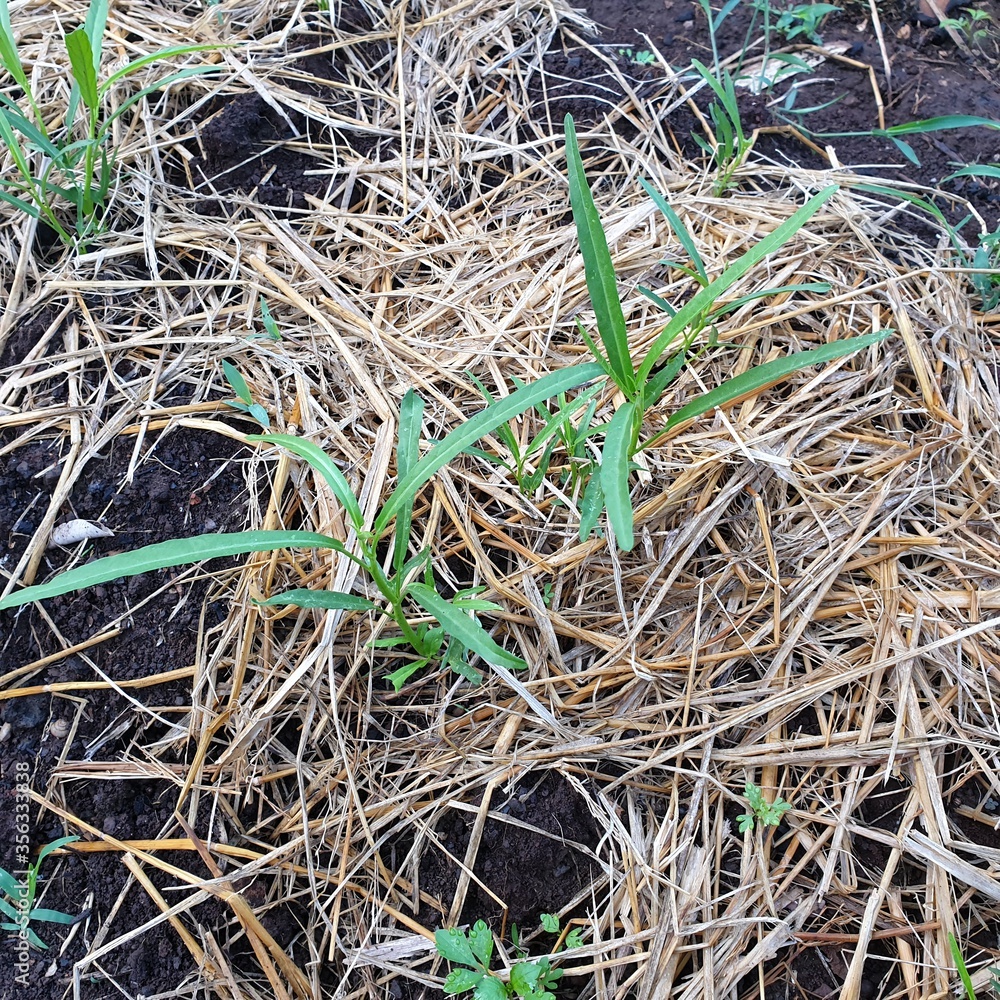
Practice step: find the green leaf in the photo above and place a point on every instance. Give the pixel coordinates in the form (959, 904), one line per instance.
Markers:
(575, 938)
(54, 846)
(323, 464)
(974, 170)
(523, 978)
(163, 555)
(453, 945)
(9, 884)
(598, 268)
(963, 971)
(490, 988)
(83, 65)
(467, 630)
(746, 822)
(8, 50)
(331, 600)
(764, 375)
(237, 382)
(460, 980)
(411, 411)
(615, 473)
(51, 916)
(550, 923)
(680, 231)
(483, 423)
(704, 299)
(481, 942)
(159, 56)
(938, 124)
(591, 505)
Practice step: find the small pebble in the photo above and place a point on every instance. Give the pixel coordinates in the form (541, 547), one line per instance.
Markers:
(685, 15)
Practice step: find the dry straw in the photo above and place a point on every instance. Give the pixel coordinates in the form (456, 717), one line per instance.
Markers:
(811, 604)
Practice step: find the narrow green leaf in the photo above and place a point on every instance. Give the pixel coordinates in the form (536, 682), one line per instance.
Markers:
(467, 630)
(483, 423)
(55, 845)
(94, 25)
(237, 382)
(331, 600)
(8, 50)
(765, 375)
(8, 883)
(598, 267)
(82, 63)
(453, 945)
(679, 229)
(166, 81)
(411, 411)
(704, 299)
(963, 972)
(939, 124)
(615, 473)
(159, 56)
(52, 916)
(807, 286)
(163, 555)
(324, 465)
(974, 170)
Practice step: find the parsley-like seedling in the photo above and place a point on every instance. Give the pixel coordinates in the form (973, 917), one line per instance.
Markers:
(768, 813)
(530, 980)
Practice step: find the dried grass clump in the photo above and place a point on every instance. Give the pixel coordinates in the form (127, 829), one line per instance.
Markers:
(811, 605)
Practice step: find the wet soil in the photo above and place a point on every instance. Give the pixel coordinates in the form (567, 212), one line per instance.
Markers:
(247, 153)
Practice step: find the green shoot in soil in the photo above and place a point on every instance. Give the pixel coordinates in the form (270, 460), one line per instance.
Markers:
(76, 163)
(643, 386)
(18, 898)
(762, 811)
(457, 631)
(473, 950)
(244, 399)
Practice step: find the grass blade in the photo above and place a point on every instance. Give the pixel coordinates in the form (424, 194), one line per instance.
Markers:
(51, 916)
(484, 422)
(163, 555)
(598, 268)
(679, 229)
(159, 56)
(324, 465)
(764, 375)
(411, 411)
(618, 446)
(466, 630)
(706, 297)
(81, 60)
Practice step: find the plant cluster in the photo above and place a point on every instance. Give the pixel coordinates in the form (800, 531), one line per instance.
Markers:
(761, 811)
(73, 164)
(472, 950)
(599, 456)
(18, 899)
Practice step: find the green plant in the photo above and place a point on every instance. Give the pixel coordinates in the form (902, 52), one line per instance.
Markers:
(731, 145)
(529, 979)
(643, 386)
(406, 582)
(18, 897)
(966, 24)
(270, 323)
(76, 162)
(642, 57)
(762, 811)
(244, 399)
(802, 20)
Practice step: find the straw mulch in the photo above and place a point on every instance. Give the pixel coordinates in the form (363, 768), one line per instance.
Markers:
(811, 603)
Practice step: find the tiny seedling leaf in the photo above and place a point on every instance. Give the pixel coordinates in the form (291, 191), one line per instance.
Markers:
(237, 382)
(460, 980)
(550, 923)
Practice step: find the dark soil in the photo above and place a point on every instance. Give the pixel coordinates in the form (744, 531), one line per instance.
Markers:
(244, 155)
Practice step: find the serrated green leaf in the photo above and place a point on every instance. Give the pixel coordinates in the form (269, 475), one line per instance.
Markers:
(165, 555)
(453, 945)
(331, 600)
(460, 980)
(481, 942)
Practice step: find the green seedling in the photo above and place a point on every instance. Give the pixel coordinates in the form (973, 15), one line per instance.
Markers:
(643, 57)
(18, 898)
(270, 323)
(731, 145)
(73, 164)
(406, 585)
(244, 399)
(804, 20)
(761, 811)
(643, 386)
(974, 25)
(473, 951)
(963, 971)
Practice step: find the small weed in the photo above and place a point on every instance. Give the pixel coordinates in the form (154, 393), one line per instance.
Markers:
(530, 979)
(974, 25)
(804, 20)
(642, 57)
(270, 323)
(244, 399)
(963, 971)
(762, 811)
(78, 161)
(18, 899)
